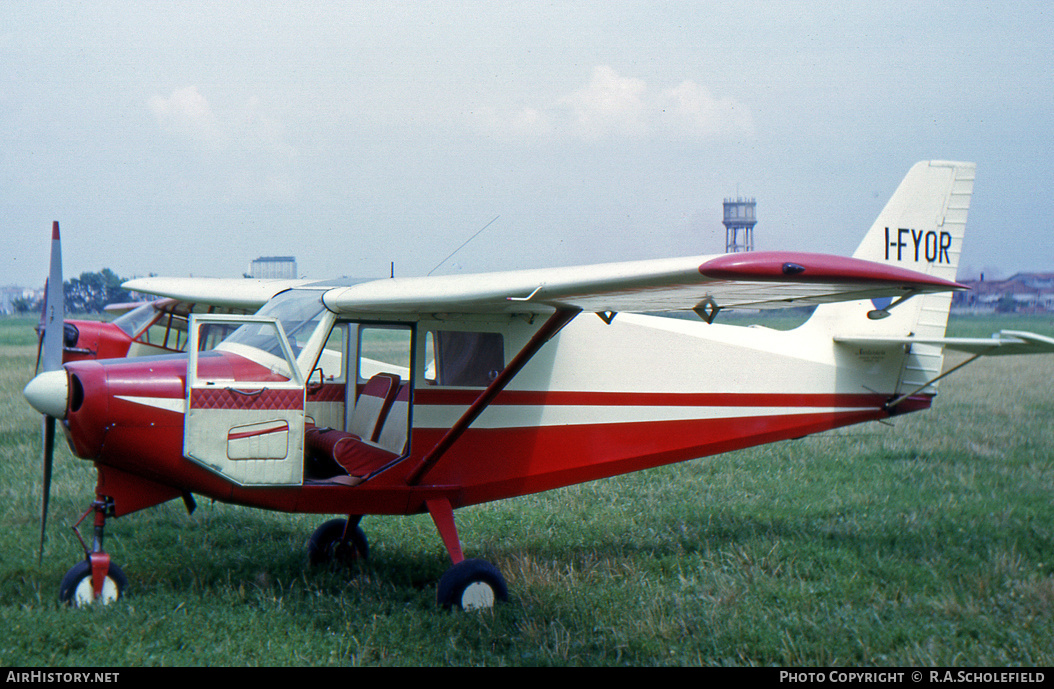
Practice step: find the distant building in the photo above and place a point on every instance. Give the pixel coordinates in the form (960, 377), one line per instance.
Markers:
(1023, 292)
(283, 267)
(740, 218)
(10, 296)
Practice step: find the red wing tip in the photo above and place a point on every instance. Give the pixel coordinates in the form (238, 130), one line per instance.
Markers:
(768, 266)
(55, 230)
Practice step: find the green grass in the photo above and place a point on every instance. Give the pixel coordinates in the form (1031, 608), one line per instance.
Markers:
(928, 543)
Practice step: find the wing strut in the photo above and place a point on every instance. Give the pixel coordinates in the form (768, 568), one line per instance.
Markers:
(549, 329)
(894, 402)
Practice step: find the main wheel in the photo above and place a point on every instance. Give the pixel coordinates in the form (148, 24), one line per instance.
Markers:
(327, 544)
(77, 591)
(472, 585)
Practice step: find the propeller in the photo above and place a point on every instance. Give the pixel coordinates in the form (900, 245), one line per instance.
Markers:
(50, 358)
(40, 330)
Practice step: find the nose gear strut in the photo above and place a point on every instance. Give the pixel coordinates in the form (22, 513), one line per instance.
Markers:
(96, 578)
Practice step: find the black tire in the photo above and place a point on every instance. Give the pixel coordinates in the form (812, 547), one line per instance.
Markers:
(472, 585)
(76, 588)
(326, 544)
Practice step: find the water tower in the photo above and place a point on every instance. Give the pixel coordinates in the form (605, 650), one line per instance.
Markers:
(740, 218)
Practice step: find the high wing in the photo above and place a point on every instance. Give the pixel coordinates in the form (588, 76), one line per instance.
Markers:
(700, 283)
(235, 293)
(1003, 343)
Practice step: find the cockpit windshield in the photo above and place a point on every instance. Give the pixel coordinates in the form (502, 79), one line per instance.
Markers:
(136, 320)
(299, 312)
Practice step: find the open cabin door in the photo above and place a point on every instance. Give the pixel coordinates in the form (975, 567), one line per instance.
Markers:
(245, 406)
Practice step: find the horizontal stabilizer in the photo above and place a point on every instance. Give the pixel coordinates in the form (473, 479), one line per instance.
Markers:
(1004, 342)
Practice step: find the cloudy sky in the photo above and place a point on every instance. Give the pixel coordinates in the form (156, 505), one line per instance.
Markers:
(187, 138)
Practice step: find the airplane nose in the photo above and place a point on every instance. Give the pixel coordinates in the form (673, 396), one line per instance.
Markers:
(48, 393)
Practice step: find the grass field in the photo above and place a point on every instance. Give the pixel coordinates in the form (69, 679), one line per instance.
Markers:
(927, 543)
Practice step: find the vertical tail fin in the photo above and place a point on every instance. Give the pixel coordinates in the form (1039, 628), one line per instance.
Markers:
(921, 228)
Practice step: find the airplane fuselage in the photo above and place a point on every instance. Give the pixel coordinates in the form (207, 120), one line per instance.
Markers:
(598, 400)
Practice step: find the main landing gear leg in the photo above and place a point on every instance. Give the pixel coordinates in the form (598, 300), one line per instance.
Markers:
(94, 579)
(469, 584)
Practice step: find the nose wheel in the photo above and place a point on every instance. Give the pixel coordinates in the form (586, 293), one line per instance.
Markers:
(79, 588)
(94, 580)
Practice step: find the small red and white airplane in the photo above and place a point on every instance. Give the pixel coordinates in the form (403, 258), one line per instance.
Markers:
(409, 395)
(158, 326)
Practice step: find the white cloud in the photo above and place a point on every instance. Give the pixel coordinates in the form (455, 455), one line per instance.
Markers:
(248, 156)
(186, 113)
(613, 105)
(610, 104)
(690, 110)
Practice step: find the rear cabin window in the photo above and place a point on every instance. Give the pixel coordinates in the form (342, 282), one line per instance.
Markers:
(463, 359)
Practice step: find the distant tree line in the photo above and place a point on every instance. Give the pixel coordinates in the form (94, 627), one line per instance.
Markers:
(89, 293)
(92, 292)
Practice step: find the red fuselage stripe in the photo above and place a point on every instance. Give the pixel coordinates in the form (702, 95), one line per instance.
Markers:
(652, 399)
